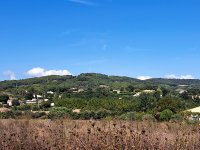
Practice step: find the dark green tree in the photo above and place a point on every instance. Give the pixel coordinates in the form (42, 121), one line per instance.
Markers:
(4, 98)
(130, 88)
(15, 102)
(166, 115)
(172, 103)
(145, 102)
(28, 96)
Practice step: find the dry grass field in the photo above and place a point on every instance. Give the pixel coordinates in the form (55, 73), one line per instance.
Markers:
(96, 135)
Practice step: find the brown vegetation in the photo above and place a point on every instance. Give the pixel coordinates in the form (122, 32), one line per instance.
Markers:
(96, 135)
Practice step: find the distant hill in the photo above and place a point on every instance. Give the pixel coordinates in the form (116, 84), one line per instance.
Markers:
(176, 82)
(94, 80)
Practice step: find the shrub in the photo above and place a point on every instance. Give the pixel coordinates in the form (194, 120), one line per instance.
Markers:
(64, 109)
(10, 114)
(139, 116)
(59, 113)
(148, 117)
(102, 114)
(166, 115)
(177, 117)
(128, 116)
(15, 102)
(35, 107)
(4, 98)
(24, 107)
(45, 105)
(38, 114)
(28, 114)
(2, 115)
(86, 115)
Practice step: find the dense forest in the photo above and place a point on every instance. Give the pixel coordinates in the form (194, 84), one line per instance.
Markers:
(98, 96)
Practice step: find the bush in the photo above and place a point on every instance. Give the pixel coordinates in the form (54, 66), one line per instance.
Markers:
(38, 115)
(15, 102)
(45, 105)
(128, 116)
(24, 107)
(148, 117)
(59, 113)
(28, 114)
(10, 114)
(34, 107)
(86, 115)
(166, 115)
(4, 98)
(2, 115)
(64, 109)
(177, 117)
(102, 114)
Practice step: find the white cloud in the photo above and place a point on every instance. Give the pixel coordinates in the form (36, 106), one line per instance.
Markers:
(173, 76)
(144, 77)
(10, 74)
(39, 72)
(84, 2)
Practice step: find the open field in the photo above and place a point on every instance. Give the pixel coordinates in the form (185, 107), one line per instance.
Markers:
(96, 135)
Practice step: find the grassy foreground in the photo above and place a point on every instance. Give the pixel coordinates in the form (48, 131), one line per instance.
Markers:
(96, 135)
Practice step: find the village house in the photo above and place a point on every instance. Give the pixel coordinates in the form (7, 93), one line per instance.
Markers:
(39, 96)
(181, 91)
(196, 97)
(80, 90)
(50, 92)
(103, 86)
(9, 102)
(52, 104)
(117, 91)
(144, 91)
(46, 100)
(76, 111)
(33, 101)
(137, 94)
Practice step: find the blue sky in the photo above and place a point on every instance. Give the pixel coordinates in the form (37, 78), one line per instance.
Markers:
(150, 38)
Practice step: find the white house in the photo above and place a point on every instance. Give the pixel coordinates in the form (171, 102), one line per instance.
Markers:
(50, 92)
(80, 90)
(46, 100)
(39, 96)
(103, 86)
(9, 102)
(76, 111)
(33, 101)
(181, 91)
(117, 91)
(144, 91)
(137, 94)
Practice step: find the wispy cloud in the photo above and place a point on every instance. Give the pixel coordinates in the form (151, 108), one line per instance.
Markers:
(39, 72)
(173, 76)
(83, 2)
(10, 74)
